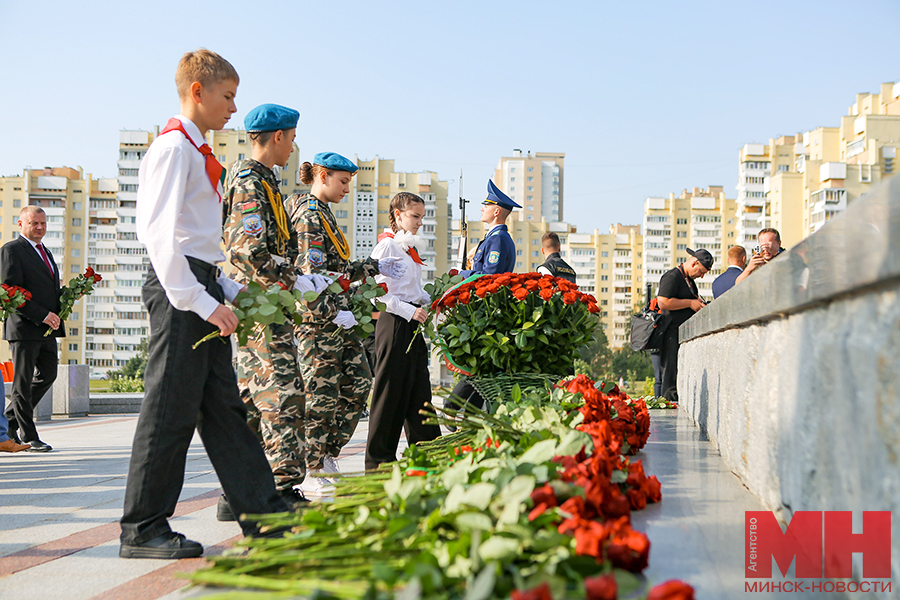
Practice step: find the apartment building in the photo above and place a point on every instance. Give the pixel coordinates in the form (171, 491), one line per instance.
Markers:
(696, 219)
(65, 195)
(609, 266)
(535, 182)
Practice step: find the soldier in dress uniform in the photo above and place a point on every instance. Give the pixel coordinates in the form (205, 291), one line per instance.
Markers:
(554, 265)
(496, 253)
(262, 247)
(332, 360)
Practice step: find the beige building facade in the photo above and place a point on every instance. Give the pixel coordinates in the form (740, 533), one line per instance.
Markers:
(535, 182)
(698, 218)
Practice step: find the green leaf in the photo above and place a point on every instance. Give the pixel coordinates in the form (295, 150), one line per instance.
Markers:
(618, 476)
(498, 548)
(479, 495)
(541, 452)
(267, 309)
(572, 443)
(310, 296)
(474, 520)
(483, 586)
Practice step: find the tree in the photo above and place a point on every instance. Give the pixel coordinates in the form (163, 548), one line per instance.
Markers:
(134, 368)
(607, 364)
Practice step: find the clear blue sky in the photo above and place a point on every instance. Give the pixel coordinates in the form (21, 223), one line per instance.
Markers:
(644, 98)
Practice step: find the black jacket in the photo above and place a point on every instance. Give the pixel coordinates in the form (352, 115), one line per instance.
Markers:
(21, 265)
(558, 267)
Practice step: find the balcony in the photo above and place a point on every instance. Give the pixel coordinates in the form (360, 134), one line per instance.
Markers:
(856, 147)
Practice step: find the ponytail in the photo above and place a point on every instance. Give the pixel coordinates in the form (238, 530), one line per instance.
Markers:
(401, 202)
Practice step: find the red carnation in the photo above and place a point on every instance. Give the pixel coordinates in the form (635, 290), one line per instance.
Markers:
(601, 588)
(383, 286)
(672, 590)
(541, 592)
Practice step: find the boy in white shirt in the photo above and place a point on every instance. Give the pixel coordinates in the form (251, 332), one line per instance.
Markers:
(179, 219)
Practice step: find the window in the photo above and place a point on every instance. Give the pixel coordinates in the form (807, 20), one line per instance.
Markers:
(76, 237)
(221, 158)
(241, 156)
(682, 221)
(604, 278)
(76, 252)
(76, 205)
(530, 169)
(17, 203)
(529, 188)
(76, 222)
(535, 253)
(519, 264)
(604, 303)
(530, 179)
(518, 253)
(604, 254)
(518, 240)
(73, 331)
(681, 247)
(534, 242)
(604, 290)
(75, 269)
(681, 234)
(340, 214)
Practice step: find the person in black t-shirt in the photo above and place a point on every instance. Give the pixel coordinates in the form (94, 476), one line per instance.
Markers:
(554, 265)
(679, 299)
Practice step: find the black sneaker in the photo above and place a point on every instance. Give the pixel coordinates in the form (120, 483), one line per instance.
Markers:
(168, 546)
(294, 498)
(223, 510)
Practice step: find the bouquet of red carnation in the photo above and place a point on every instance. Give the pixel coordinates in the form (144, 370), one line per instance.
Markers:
(362, 299)
(514, 323)
(80, 285)
(12, 297)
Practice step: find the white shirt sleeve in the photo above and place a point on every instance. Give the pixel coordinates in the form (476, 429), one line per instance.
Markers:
(394, 305)
(160, 199)
(230, 287)
(544, 271)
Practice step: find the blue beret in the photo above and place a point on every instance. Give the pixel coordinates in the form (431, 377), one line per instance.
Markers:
(495, 196)
(271, 117)
(336, 162)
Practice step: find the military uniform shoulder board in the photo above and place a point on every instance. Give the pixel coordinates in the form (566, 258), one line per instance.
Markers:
(245, 172)
(313, 204)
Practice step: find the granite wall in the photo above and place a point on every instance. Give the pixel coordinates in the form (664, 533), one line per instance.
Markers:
(795, 373)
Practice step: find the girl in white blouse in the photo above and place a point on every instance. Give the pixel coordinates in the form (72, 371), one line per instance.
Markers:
(402, 386)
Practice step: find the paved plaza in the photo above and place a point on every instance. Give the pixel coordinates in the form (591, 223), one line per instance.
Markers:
(59, 531)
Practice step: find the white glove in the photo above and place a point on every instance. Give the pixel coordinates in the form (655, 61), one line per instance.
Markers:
(392, 267)
(345, 319)
(311, 283)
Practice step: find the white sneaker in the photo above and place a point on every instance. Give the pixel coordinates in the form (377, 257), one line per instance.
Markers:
(330, 466)
(316, 484)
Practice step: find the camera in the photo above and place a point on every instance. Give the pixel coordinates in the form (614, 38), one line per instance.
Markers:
(756, 250)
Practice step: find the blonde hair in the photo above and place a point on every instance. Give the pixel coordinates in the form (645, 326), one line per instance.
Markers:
(401, 202)
(205, 67)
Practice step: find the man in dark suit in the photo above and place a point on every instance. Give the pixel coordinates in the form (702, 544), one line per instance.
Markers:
(25, 262)
(737, 260)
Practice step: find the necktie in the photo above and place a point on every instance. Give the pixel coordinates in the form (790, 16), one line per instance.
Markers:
(214, 170)
(40, 248)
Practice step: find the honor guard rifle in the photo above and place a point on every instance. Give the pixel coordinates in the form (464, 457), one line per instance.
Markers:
(463, 228)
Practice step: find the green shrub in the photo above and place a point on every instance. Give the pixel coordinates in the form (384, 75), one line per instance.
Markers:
(126, 385)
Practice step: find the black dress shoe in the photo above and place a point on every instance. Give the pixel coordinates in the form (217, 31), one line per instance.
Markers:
(294, 498)
(167, 546)
(223, 510)
(38, 446)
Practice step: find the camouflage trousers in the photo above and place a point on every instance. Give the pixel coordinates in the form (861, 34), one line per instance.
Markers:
(272, 390)
(338, 381)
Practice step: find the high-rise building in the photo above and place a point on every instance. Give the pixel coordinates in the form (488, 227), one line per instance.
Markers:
(609, 266)
(534, 181)
(64, 194)
(364, 213)
(696, 219)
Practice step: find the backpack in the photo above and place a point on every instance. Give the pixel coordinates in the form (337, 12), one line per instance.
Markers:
(647, 328)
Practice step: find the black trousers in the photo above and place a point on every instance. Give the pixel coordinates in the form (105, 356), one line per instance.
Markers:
(668, 362)
(188, 389)
(401, 388)
(657, 374)
(465, 393)
(34, 365)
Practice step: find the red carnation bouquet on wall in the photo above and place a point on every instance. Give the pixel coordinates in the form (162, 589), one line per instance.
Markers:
(514, 323)
(12, 297)
(80, 285)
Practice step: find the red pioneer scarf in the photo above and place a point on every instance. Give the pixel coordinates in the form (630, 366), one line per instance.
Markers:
(214, 170)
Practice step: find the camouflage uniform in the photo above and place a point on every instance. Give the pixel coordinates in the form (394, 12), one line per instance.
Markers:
(269, 382)
(333, 363)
